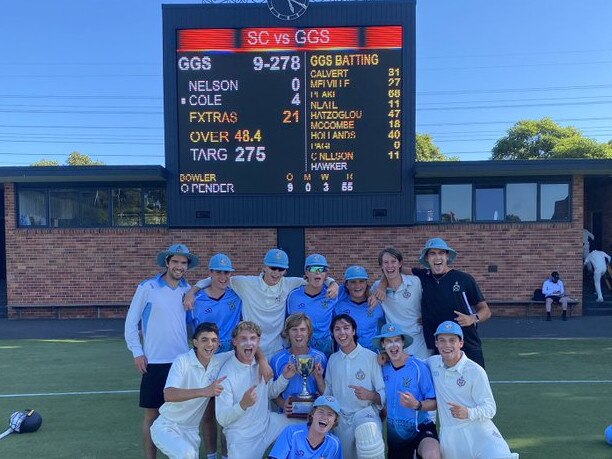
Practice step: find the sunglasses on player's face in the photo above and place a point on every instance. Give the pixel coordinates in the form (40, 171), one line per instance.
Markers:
(316, 269)
(276, 268)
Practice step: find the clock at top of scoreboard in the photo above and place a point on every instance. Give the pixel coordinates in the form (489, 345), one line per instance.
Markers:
(289, 110)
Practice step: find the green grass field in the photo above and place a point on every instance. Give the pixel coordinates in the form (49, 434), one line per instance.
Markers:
(556, 419)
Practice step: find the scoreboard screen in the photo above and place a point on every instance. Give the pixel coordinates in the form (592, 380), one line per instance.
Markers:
(283, 118)
(289, 110)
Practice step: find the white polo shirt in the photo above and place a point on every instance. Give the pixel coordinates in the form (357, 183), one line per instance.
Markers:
(187, 372)
(250, 424)
(465, 384)
(403, 307)
(358, 368)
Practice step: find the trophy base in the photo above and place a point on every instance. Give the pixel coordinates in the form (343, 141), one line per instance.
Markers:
(301, 407)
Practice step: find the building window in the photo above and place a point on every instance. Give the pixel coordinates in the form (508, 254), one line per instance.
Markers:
(64, 208)
(96, 207)
(155, 206)
(489, 203)
(456, 203)
(554, 201)
(92, 206)
(32, 208)
(427, 205)
(521, 202)
(127, 203)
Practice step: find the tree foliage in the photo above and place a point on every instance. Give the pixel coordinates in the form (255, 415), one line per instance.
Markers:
(79, 159)
(46, 162)
(74, 159)
(427, 150)
(545, 139)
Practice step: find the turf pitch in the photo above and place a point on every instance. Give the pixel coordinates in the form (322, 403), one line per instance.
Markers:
(554, 397)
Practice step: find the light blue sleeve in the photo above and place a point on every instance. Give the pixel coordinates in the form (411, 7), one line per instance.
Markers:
(282, 447)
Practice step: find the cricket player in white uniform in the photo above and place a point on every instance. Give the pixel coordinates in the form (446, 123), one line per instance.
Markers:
(242, 408)
(354, 378)
(465, 402)
(191, 383)
(402, 300)
(264, 297)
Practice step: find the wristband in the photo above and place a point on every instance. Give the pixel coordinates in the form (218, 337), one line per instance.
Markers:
(419, 406)
(477, 318)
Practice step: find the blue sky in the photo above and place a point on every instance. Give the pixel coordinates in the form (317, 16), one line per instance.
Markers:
(87, 75)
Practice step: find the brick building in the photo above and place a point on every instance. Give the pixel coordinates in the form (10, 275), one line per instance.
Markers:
(77, 240)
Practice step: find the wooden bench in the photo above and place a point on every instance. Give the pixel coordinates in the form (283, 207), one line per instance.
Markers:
(527, 304)
(57, 308)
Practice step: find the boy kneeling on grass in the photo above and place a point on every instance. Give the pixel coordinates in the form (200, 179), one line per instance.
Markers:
(193, 380)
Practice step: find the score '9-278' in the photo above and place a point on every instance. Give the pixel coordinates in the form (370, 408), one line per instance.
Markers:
(276, 63)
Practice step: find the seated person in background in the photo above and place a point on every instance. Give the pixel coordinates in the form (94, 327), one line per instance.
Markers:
(553, 290)
(298, 329)
(353, 300)
(314, 439)
(242, 407)
(465, 402)
(410, 394)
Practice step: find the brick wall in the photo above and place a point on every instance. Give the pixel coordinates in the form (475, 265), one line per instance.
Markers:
(103, 266)
(525, 254)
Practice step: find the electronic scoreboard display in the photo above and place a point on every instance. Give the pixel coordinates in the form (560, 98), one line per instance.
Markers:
(265, 110)
(304, 110)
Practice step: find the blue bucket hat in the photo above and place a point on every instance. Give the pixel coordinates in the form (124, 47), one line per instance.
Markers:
(355, 273)
(437, 243)
(390, 330)
(177, 249)
(315, 260)
(450, 328)
(329, 401)
(220, 262)
(276, 258)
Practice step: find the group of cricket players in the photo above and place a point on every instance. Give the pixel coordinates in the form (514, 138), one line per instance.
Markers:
(230, 352)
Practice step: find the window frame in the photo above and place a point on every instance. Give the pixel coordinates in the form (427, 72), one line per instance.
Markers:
(494, 182)
(80, 190)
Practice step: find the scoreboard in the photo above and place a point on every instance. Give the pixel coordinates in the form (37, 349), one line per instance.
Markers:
(313, 110)
(264, 115)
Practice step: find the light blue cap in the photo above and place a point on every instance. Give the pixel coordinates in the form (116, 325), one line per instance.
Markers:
(220, 262)
(449, 328)
(315, 259)
(177, 249)
(328, 400)
(390, 330)
(355, 273)
(276, 258)
(437, 243)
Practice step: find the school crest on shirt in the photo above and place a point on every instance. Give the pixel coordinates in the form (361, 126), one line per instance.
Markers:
(406, 294)
(232, 305)
(301, 306)
(456, 287)
(461, 381)
(406, 382)
(360, 375)
(325, 303)
(370, 312)
(299, 453)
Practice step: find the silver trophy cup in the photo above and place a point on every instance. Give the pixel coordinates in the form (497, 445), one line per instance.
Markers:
(302, 402)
